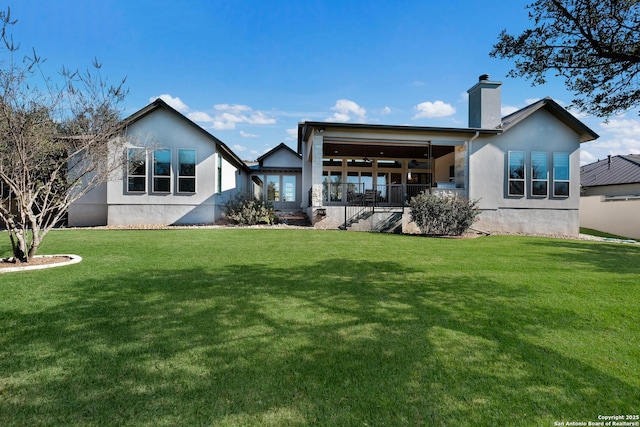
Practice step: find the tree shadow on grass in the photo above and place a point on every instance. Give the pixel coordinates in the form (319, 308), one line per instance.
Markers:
(332, 343)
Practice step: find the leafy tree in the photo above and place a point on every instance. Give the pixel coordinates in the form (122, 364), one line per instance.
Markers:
(58, 140)
(593, 44)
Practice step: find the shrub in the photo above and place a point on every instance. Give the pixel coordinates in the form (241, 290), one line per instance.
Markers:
(446, 214)
(248, 210)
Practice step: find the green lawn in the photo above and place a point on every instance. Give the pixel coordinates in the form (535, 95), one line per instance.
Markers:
(299, 327)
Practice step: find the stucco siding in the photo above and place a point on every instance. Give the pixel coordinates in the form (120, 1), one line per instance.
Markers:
(613, 190)
(488, 181)
(282, 159)
(529, 221)
(612, 216)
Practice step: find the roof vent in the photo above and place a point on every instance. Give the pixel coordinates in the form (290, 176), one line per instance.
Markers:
(483, 77)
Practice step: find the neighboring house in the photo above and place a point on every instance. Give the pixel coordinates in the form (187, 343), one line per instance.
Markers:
(521, 168)
(610, 199)
(276, 177)
(176, 173)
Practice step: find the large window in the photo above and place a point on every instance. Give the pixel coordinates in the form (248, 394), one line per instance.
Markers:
(136, 170)
(561, 174)
(186, 171)
(539, 174)
(516, 173)
(162, 171)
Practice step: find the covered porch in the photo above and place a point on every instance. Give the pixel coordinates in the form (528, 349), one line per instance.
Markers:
(385, 175)
(378, 167)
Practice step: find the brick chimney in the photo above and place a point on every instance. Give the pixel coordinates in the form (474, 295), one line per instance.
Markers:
(485, 104)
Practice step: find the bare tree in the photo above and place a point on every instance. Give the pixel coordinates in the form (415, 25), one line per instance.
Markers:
(593, 44)
(59, 138)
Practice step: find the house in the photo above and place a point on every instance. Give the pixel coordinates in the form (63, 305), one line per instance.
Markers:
(276, 178)
(176, 173)
(521, 168)
(610, 198)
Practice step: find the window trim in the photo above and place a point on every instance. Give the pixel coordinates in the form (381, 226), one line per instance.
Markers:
(195, 172)
(535, 180)
(524, 174)
(155, 176)
(145, 159)
(556, 180)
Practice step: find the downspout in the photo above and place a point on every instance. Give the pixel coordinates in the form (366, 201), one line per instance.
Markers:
(468, 164)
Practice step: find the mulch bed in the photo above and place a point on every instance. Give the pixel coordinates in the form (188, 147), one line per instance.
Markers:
(41, 260)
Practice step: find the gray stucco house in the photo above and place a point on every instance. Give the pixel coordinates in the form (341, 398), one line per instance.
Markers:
(523, 168)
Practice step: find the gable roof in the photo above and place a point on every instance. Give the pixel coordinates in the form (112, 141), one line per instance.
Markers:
(282, 145)
(611, 171)
(159, 103)
(586, 134)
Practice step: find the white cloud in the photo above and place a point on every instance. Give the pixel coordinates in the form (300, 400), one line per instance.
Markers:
(247, 134)
(432, 110)
(238, 147)
(345, 110)
(235, 108)
(227, 116)
(293, 133)
(174, 102)
(200, 116)
(618, 136)
(586, 157)
(386, 110)
(508, 109)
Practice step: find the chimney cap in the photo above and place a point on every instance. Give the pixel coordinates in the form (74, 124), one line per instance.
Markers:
(483, 77)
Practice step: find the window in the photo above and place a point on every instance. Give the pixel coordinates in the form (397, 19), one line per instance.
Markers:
(136, 170)
(289, 188)
(561, 175)
(516, 173)
(186, 171)
(273, 188)
(162, 171)
(539, 174)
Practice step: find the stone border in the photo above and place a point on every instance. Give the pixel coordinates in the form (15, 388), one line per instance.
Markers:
(73, 259)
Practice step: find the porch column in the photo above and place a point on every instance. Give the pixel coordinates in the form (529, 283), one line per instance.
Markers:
(316, 169)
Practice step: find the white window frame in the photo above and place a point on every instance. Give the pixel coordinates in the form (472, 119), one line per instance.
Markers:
(195, 172)
(524, 174)
(555, 174)
(143, 152)
(534, 179)
(163, 177)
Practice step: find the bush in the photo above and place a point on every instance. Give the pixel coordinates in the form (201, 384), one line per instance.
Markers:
(248, 210)
(447, 215)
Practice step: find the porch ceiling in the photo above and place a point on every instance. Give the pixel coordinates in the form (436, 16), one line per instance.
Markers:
(359, 151)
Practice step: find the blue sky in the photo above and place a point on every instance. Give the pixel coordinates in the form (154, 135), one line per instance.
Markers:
(248, 71)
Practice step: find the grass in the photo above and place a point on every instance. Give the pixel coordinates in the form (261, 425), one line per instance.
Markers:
(237, 327)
